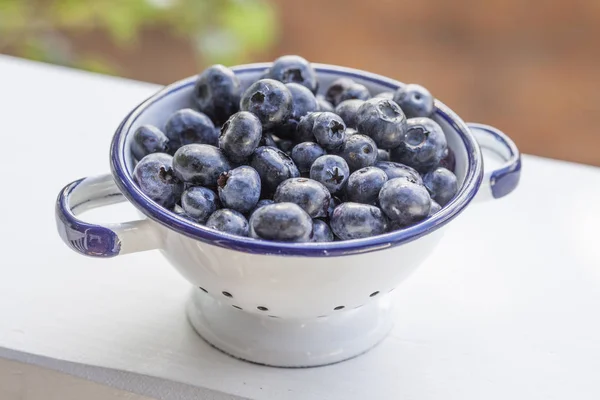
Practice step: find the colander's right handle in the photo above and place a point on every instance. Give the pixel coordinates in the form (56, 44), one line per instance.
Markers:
(501, 181)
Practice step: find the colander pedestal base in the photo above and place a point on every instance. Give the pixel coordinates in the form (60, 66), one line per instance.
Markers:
(281, 342)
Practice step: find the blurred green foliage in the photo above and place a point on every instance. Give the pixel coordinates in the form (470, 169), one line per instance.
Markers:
(221, 31)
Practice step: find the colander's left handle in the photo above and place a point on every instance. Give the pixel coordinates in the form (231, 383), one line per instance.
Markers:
(99, 240)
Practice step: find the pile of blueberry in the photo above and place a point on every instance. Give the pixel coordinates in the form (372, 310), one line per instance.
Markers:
(279, 162)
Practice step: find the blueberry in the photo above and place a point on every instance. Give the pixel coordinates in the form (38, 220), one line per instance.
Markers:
(261, 203)
(267, 140)
(148, 139)
(441, 184)
(383, 155)
(285, 222)
(154, 175)
(199, 203)
(269, 100)
(304, 155)
(423, 147)
(435, 207)
(228, 221)
(383, 121)
(351, 131)
(324, 105)
(273, 166)
(346, 89)
(449, 160)
(404, 202)
(217, 93)
(309, 194)
(329, 130)
(364, 185)
(187, 126)
(285, 145)
(385, 95)
(415, 100)
(332, 171)
(239, 189)
(200, 164)
(348, 110)
(303, 101)
(333, 203)
(359, 151)
(177, 209)
(321, 232)
(397, 170)
(304, 131)
(294, 69)
(356, 221)
(240, 136)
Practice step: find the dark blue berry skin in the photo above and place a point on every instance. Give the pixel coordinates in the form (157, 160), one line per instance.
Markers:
(332, 171)
(435, 207)
(348, 110)
(303, 100)
(383, 155)
(449, 160)
(304, 131)
(294, 69)
(267, 140)
(187, 126)
(333, 203)
(273, 166)
(397, 170)
(321, 232)
(270, 100)
(324, 105)
(177, 209)
(148, 139)
(217, 93)
(346, 89)
(383, 121)
(385, 95)
(228, 221)
(239, 189)
(261, 203)
(200, 164)
(415, 100)
(283, 222)
(404, 202)
(364, 185)
(356, 221)
(240, 136)
(154, 175)
(199, 203)
(329, 130)
(359, 151)
(305, 154)
(441, 184)
(423, 147)
(286, 146)
(309, 194)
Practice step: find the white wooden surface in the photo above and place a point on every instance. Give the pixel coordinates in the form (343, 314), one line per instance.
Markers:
(507, 307)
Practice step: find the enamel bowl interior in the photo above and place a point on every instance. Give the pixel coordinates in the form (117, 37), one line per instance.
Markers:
(158, 108)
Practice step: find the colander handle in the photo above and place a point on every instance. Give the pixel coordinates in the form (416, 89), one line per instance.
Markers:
(106, 240)
(503, 180)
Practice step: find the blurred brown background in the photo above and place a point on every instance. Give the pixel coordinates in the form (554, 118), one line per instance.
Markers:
(528, 67)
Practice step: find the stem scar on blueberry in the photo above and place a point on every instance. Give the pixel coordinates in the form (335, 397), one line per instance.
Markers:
(258, 97)
(292, 75)
(166, 175)
(336, 128)
(335, 176)
(222, 179)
